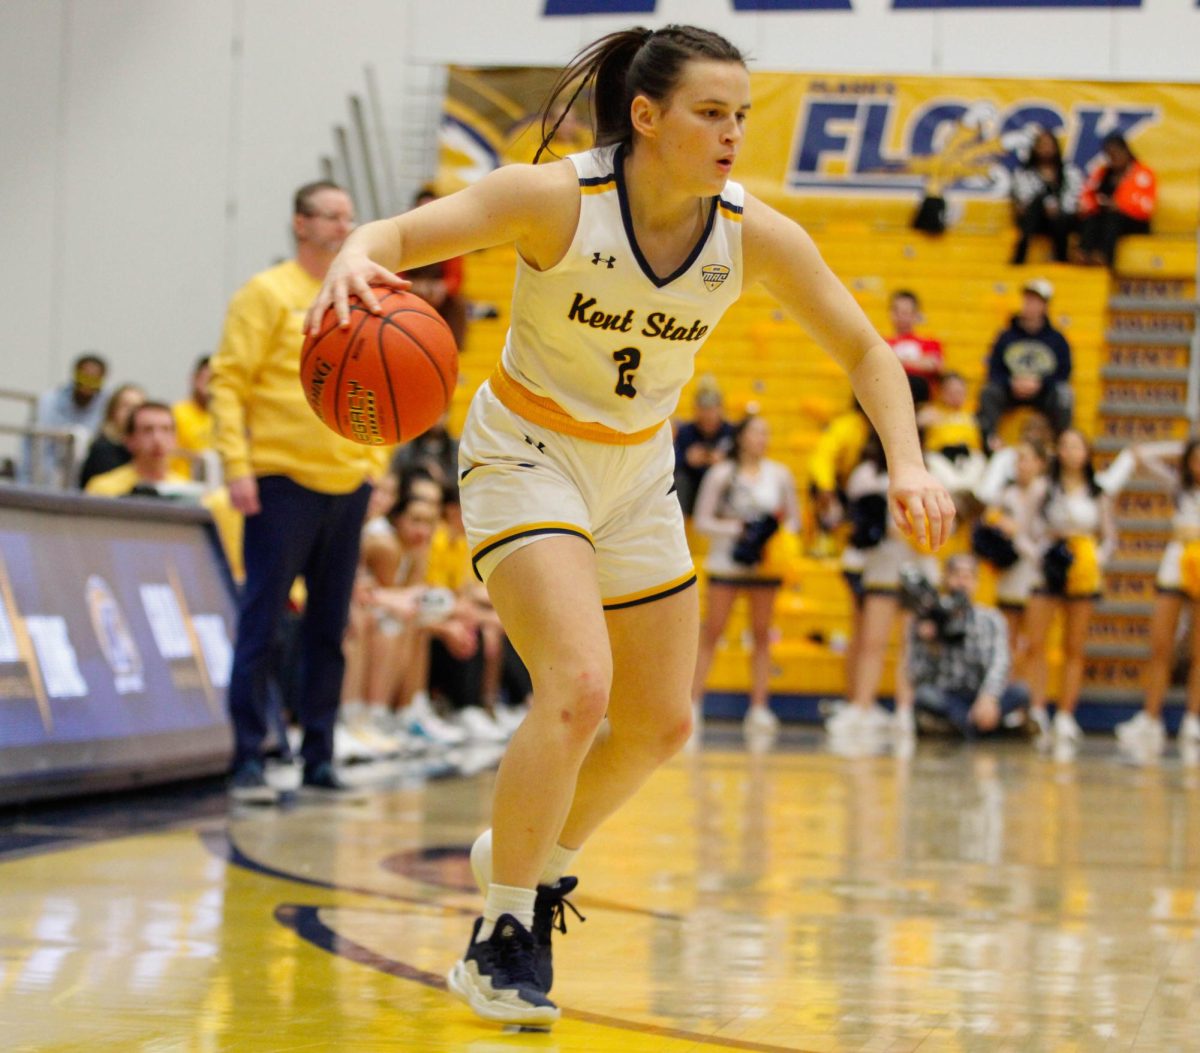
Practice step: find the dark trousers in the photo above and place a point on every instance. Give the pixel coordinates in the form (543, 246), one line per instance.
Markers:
(1055, 401)
(460, 680)
(954, 706)
(298, 531)
(1034, 221)
(1101, 231)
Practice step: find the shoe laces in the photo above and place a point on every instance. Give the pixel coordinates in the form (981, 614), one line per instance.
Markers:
(515, 957)
(550, 909)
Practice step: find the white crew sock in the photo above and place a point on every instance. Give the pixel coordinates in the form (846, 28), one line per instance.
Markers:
(481, 861)
(558, 864)
(504, 899)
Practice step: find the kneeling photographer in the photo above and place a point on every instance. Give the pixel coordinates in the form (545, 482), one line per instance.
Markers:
(958, 657)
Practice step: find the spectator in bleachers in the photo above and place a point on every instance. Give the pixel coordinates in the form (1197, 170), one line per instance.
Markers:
(742, 503)
(863, 724)
(950, 439)
(505, 680)
(440, 284)
(1045, 197)
(1008, 538)
(108, 449)
(435, 451)
(1030, 365)
(1119, 199)
(959, 660)
(76, 406)
(394, 593)
(1177, 584)
(150, 438)
(193, 421)
(921, 356)
(465, 653)
(705, 440)
(383, 496)
(1077, 529)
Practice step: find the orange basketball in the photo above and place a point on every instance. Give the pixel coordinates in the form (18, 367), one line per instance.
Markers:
(387, 377)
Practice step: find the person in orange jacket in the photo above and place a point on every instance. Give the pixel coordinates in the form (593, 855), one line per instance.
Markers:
(1117, 200)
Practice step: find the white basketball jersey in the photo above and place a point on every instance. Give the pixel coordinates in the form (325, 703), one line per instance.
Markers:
(599, 333)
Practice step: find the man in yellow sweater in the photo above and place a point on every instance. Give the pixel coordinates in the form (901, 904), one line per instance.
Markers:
(302, 489)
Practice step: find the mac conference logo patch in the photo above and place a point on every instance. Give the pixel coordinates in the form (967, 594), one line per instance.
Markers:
(714, 275)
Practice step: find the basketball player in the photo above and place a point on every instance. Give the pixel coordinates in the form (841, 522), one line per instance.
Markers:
(628, 254)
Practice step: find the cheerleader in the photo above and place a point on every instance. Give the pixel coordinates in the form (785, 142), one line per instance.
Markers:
(1007, 538)
(883, 550)
(1177, 583)
(741, 504)
(1078, 533)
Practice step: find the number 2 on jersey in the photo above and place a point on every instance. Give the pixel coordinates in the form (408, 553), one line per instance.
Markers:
(628, 359)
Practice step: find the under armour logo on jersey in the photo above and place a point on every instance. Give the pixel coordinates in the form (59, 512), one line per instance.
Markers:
(608, 261)
(541, 446)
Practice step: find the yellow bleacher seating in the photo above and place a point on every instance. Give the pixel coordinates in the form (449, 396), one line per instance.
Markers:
(1156, 255)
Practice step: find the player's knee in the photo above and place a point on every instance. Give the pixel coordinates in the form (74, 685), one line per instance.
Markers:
(665, 733)
(675, 732)
(584, 699)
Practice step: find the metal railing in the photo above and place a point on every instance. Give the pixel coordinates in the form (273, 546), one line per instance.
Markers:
(50, 457)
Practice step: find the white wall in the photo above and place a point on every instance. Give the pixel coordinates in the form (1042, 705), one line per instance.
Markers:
(1157, 41)
(150, 150)
(150, 147)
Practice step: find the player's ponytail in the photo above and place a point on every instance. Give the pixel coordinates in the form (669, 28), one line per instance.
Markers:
(622, 65)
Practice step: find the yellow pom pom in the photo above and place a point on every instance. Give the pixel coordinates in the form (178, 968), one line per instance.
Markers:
(1083, 579)
(1189, 570)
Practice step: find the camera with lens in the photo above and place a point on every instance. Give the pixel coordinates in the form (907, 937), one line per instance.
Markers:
(947, 612)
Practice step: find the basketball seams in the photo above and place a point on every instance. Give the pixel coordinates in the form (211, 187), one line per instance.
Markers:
(311, 345)
(387, 376)
(387, 320)
(337, 387)
(410, 392)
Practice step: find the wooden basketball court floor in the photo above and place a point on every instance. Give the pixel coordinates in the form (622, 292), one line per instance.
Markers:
(965, 899)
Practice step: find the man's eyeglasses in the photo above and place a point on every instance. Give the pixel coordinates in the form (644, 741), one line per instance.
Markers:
(333, 217)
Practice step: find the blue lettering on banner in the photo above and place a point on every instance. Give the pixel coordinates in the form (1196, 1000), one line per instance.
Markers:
(791, 5)
(982, 5)
(648, 7)
(600, 7)
(818, 139)
(847, 141)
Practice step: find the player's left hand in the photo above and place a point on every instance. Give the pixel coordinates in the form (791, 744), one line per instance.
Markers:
(921, 507)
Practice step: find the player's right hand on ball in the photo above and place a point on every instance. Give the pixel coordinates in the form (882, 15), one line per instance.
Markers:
(350, 275)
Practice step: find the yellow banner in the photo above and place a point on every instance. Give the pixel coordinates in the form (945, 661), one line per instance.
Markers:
(864, 147)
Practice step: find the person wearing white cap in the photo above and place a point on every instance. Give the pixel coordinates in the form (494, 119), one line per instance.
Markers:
(1030, 365)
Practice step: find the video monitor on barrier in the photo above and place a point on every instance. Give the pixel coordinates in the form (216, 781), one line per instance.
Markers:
(116, 629)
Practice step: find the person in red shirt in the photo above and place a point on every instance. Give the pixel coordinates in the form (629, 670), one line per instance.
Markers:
(921, 356)
(1118, 199)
